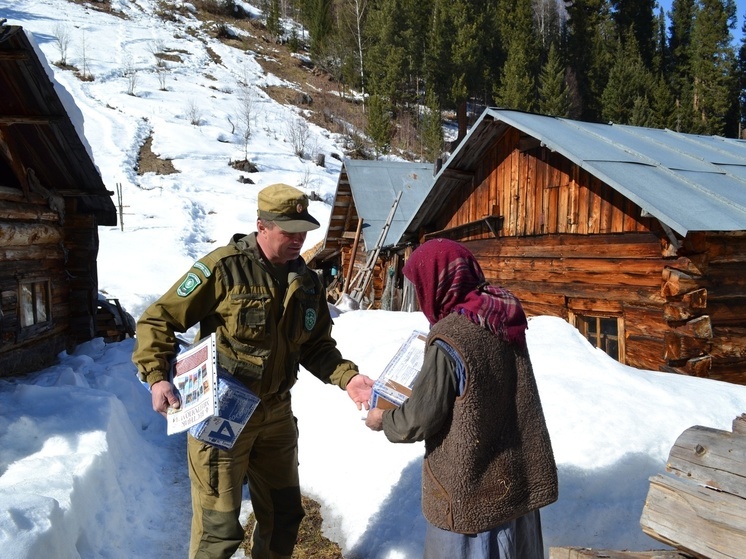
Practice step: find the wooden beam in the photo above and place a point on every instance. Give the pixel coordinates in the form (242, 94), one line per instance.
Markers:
(9, 120)
(458, 174)
(14, 55)
(493, 223)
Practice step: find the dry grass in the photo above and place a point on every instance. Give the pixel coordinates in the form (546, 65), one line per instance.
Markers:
(311, 543)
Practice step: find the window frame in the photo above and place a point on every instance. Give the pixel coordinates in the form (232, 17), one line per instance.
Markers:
(34, 295)
(578, 318)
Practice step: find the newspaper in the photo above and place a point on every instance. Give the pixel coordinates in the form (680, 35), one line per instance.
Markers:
(394, 385)
(194, 374)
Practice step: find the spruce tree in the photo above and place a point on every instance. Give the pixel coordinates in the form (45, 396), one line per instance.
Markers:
(517, 89)
(379, 128)
(741, 79)
(591, 37)
(680, 71)
(554, 97)
(630, 87)
(432, 128)
(713, 68)
(637, 15)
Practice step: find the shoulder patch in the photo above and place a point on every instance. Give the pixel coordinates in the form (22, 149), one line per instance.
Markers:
(202, 268)
(190, 283)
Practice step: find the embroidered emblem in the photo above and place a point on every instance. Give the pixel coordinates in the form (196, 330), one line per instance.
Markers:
(202, 268)
(310, 319)
(190, 283)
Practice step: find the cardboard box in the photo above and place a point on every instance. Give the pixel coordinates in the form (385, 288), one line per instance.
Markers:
(394, 385)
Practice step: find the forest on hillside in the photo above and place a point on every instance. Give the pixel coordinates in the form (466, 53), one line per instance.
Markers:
(619, 61)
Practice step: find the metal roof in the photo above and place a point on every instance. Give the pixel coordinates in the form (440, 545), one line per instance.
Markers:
(686, 181)
(376, 184)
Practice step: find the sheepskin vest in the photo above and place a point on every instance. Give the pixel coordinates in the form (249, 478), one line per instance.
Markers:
(492, 461)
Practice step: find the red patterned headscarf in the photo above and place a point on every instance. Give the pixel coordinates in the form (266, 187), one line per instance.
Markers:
(447, 279)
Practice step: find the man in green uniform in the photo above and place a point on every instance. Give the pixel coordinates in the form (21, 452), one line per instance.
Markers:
(270, 315)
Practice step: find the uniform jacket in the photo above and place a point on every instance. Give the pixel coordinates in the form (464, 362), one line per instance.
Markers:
(492, 460)
(265, 325)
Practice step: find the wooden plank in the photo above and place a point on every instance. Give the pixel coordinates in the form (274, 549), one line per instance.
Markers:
(706, 523)
(586, 553)
(628, 247)
(711, 457)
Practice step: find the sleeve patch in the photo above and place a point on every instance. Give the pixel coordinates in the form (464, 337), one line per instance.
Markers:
(190, 283)
(202, 268)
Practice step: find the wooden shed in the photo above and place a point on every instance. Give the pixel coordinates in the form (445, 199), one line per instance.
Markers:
(364, 244)
(52, 200)
(636, 236)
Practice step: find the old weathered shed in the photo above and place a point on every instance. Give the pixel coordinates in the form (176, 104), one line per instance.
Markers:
(52, 199)
(636, 236)
(359, 225)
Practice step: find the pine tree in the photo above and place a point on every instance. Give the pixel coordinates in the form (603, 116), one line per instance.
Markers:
(379, 127)
(517, 89)
(679, 73)
(386, 58)
(273, 18)
(637, 15)
(713, 68)
(630, 87)
(741, 77)
(553, 93)
(591, 37)
(437, 57)
(432, 128)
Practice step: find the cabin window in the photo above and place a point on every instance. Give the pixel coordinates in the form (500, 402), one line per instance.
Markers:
(601, 331)
(34, 303)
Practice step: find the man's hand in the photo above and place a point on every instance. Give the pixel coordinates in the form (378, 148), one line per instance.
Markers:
(163, 397)
(375, 419)
(359, 389)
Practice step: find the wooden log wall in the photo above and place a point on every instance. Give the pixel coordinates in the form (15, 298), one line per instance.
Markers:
(569, 243)
(558, 274)
(81, 251)
(705, 294)
(31, 249)
(539, 192)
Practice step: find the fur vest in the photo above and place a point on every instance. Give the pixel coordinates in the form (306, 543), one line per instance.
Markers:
(492, 461)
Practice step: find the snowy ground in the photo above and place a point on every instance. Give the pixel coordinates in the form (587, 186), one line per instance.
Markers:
(86, 470)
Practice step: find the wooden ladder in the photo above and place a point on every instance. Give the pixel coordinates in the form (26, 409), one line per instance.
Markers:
(362, 278)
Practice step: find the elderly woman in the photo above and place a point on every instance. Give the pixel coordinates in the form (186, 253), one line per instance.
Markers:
(488, 464)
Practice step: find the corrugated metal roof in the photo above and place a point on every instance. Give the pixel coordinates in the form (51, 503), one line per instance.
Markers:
(688, 182)
(376, 184)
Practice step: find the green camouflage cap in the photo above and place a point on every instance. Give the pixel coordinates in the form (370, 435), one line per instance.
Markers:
(287, 207)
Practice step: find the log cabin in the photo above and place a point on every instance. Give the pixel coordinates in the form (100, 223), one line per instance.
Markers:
(52, 199)
(363, 251)
(636, 236)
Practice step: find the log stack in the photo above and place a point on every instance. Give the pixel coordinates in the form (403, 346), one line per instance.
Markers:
(699, 506)
(701, 509)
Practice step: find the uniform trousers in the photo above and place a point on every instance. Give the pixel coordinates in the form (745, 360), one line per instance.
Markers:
(265, 454)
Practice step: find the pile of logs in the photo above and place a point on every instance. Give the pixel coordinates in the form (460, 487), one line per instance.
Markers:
(700, 511)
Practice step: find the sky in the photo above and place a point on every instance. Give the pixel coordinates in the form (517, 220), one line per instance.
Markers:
(86, 468)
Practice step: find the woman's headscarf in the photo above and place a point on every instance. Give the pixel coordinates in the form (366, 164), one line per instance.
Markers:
(447, 279)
